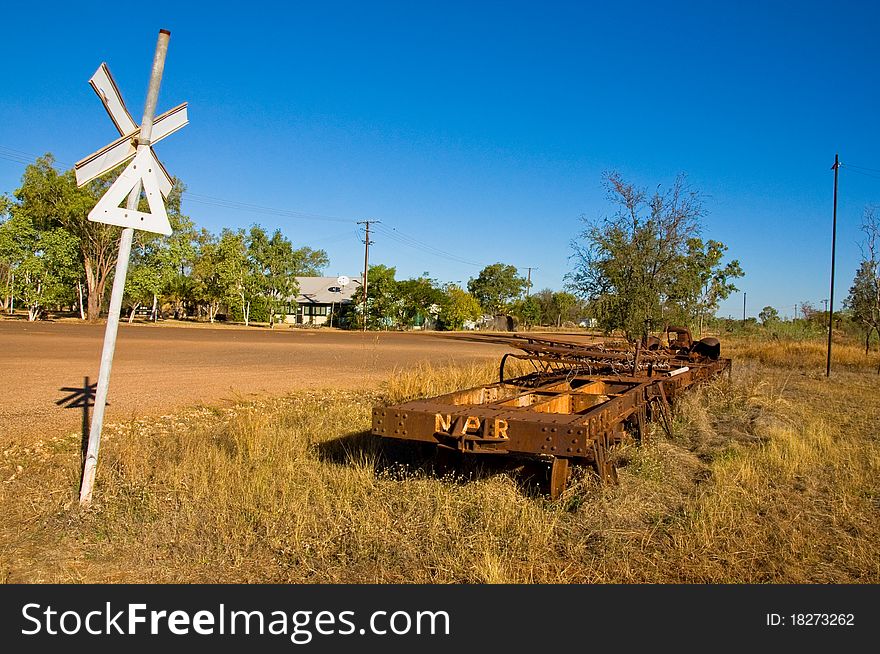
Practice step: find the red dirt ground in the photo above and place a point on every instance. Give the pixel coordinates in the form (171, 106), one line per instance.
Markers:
(158, 368)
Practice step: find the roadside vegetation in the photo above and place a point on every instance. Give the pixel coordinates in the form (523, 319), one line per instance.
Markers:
(771, 477)
(53, 261)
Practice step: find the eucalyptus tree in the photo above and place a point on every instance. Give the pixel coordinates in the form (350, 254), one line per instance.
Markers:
(645, 264)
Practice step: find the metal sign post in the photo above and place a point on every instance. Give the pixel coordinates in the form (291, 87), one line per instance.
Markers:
(144, 169)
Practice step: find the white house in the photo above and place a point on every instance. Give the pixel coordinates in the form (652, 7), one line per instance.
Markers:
(319, 297)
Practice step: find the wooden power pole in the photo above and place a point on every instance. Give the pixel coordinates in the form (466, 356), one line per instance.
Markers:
(835, 167)
(529, 280)
(367, 243)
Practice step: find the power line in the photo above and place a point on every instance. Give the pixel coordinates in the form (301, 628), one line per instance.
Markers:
(392, 233)
(400, 237)
(19, 156)
(859, 172)
(256, 208)
(849, 165)
(336, 238)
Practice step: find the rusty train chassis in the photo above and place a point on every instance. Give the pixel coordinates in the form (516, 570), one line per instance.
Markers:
(579, 404)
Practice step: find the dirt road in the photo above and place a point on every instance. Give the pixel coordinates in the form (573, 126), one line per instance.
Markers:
(158, 368)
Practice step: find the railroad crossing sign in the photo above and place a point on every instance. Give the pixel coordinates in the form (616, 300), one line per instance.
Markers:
(144, 167)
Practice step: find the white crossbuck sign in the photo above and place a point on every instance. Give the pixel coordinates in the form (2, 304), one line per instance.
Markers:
(144, 167)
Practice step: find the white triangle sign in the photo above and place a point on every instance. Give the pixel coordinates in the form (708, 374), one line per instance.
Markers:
(141, 169)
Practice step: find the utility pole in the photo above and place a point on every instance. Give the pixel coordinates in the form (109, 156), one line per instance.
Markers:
(744, 307)
(529, 281)
(367, 244)
(143, 142)
(795, 312)
(836, 168)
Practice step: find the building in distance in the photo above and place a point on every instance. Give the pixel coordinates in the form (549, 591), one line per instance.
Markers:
(319, 298)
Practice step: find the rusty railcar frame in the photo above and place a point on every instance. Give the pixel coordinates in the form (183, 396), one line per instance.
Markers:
(574, 409)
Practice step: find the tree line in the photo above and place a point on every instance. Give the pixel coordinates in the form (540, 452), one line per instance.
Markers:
(642, 267)
(52, 257)
(497, 290)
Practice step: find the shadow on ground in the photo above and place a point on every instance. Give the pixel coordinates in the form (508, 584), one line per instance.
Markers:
(400, 459)
(81, 397)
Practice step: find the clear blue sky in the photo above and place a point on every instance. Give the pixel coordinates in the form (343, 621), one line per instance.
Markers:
(481, 129)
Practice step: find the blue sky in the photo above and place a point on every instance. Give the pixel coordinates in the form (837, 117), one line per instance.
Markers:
(480, 129)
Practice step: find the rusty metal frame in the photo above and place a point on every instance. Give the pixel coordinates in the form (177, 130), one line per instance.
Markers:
(579, 404)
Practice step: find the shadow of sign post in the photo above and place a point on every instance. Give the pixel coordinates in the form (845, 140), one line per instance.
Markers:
(80, 398)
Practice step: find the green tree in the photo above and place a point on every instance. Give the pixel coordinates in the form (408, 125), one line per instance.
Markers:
(457, 306)
(496, 287)
(768, 315)
(544, 298)
(557, 306)
(863, 300)
(13, 251)
(633, 267)
(563, 305)
(143, 282)
(418, 298)
(864, 294)
(51, 199)
(236, 270)
(383, 298)
(44, 263)
(276, 265)
(701, 282)
(177, 258)
(154, 264)
(527, 310)
(209, 288)
(309, 263)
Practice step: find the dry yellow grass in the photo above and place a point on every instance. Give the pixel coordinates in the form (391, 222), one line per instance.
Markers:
(804, 354)
(427, 380)
(770, 478)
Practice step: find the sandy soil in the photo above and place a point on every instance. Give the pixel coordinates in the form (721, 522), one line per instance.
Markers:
(158, 368)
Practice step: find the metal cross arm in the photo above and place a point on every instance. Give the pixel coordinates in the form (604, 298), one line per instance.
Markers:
(125, 147)
(132, 144)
